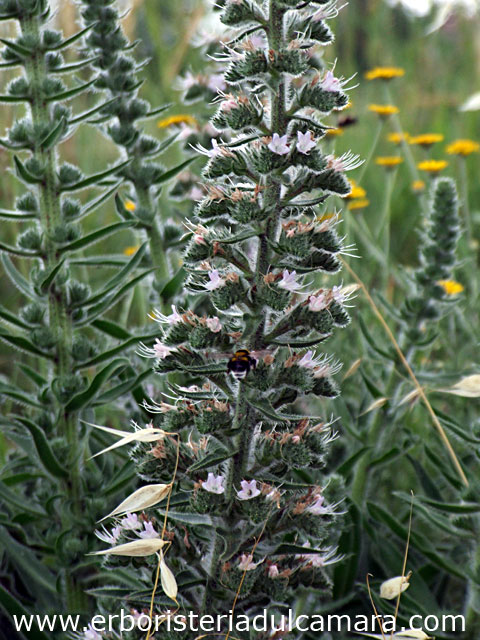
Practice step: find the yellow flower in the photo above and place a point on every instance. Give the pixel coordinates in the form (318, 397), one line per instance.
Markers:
(451, 287)
(418, 185)
(179, 119)
(130, 205)
(358, 204)
(388, 161)
(384, 73)
(129, 251)
(433, 166)
(426, 139)
(463, 147)
(397, 138)
(383, 110)
(334, 132)
(357, 192)
(326, 216)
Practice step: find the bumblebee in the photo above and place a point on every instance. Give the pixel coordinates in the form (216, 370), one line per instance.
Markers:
(241, 363)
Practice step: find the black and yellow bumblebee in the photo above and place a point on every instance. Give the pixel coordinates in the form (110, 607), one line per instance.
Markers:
(241, 363)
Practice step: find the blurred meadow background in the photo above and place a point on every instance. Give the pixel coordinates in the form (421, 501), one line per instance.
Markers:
(407, 130)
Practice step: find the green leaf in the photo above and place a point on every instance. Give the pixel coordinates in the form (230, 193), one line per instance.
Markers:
(122, 210)
(48, 280)
(111, 329)
(39, 380)
(122, 389)
(97, 310)
(68, 41)
(119, 278)
(82, 399)
(28, 564)
(453, 426)
(16, 501)
(239, 237)
(96, 178)
(372, 342)
(173, 286)
(19, 49)
(18, 252)
(69, 93)
(171, 173)
(8, 99)
(156, 112)
(94, 237)
(44, 450)
(54, 136)
(194, 519)
(106, 355)
(13, 319)
(212, 459)
(347, 466)
(122, 478)
(75, 66)
(466, 508)
(97, 202)
(87, 114)
(23, 174)
(15, 215)
(18, 280)
(15, 394)
(24, 345)
(295, 550)
(12, 607)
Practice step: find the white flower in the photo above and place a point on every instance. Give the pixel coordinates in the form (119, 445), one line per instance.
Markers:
(346, 162)
(273, 571)
(214, 324)
(110, 537)
(289, 283)
(331, 83)
(215, 281)
(91, 634)
(308, 361)
(279, 145)
(305, 143)
(317, 303)
(173, 318)
(327, 12)
(161, 350)
(195, 194)
(321, 559)
(337, 294)
(249, 490)
(214, 484)
(149, 531)
(246, 562)
(210, 153)
(130, 522)
(216, 82)
(257, 40)
(320, 509)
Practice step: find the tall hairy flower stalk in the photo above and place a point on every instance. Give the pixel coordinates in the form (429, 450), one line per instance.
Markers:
(118, 76)
(66, 371)
(251, 511)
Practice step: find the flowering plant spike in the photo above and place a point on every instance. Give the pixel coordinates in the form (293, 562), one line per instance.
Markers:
(250, 500)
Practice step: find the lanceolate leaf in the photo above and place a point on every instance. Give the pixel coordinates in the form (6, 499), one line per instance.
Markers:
(24, 345)
(106, 355)
(82, 399)
(44, 450)
(16, 215)
(70, 93)
(12, 319)
(17, 279)
(171, 173)
(94, 237)
(95, 179)
(13, 607)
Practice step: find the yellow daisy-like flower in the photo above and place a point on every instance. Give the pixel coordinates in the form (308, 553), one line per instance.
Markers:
(418, 186)
(357, 192)
(334, 132)
(383, 110)
(463, 147)
(326, 216)
(358, 204)
(130, 205)
(432, 166)
(451, 287)
(388, 161)
(129, 251)
(426, 139)
(398, 138)
(179, 119)
(384, 73)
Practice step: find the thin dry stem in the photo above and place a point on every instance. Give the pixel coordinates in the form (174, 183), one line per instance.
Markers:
(409, 369)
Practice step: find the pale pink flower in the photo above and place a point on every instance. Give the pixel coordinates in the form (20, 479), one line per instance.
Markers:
(249, 490)
(246, 562)
(216, 82)
(305, 142)
(173, 318)
(337, 294)
(279, 145)
(149, 531)
(289, 282)
(331, 83)
(317, 303)
(161, 351)
(91, 634)
(228, 105)
(273, 571)
(214, 324)
(214, 484)
(195, 194)
(131, 522)
(215, 281)
(308, 361)
(346, 162)
(110, 537)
